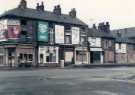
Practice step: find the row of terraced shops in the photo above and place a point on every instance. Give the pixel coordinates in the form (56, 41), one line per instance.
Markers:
(36, 37)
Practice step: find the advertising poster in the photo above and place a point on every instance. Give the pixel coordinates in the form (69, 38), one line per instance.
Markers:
(13, 31)
(75, 35)
(2, 33)
(43, 31)
(59, 34)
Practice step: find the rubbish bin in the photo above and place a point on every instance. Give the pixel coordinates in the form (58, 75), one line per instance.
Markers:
(62, 64)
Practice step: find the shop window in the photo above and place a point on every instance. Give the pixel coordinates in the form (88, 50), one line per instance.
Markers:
(30, 57)
(21, 56)
(51, 55)
(1, 59)
(81, 56)
(25, 56)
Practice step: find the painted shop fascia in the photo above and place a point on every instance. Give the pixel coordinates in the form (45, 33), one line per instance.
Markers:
(37, 36)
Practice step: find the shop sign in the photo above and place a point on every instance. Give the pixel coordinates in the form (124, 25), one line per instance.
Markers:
(96, 49)
(75, 35)
(59, 34)
(43, 31)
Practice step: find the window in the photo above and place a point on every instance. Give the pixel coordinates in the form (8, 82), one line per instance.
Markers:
(23, 22)
(24, 33)
(51, 55)
(30, 57)
(133, 47)
(119, 45)
(83, 39)
(68, 28)
(81, 56)
(68, 39)
(110, 43)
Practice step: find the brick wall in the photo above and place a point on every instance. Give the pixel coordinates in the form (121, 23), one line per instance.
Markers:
(108, 56)
(121, 58)
(131, 56)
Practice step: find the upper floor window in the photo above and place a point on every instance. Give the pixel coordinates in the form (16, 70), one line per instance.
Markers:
(23, 22)
(68, 39)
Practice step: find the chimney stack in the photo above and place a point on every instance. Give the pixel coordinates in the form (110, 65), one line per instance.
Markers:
(23, 4)
(40, 7)
(57, 10)
(72, 13)
(104, 27)
(107, 26)
(94, 26)
(101, 26)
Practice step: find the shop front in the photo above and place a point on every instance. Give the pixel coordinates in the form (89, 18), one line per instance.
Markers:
(81, 56)
(48, 55)
(69, 55)
(25, 56)
(96, 56)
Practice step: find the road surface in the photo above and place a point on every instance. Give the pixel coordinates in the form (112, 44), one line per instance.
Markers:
(98, 81)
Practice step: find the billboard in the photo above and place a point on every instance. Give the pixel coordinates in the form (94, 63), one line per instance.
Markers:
(13, 31)
(75, 35)
(59, 34)
(2, 33)
(43, 31)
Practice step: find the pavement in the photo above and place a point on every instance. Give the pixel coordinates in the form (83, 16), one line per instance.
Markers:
(96, 81)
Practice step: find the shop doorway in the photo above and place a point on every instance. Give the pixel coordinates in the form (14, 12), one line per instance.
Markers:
(95, 57)
(11, 57)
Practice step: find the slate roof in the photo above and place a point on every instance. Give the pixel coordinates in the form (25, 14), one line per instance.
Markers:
(42, 15)
(126, 32)
(124, 40)
(96, 33)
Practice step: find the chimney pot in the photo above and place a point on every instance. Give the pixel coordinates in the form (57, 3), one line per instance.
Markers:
(72, 13)
(23, 4)
(57, 10)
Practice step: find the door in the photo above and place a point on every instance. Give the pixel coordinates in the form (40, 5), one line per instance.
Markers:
(95, 57)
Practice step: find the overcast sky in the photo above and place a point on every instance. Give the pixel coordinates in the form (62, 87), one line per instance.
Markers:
(120, 13)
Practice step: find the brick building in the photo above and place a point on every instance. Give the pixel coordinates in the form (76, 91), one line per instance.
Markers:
(39, 37)
(102, 44)
(124, 48)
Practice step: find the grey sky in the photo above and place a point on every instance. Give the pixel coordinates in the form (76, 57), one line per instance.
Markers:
(120, 13)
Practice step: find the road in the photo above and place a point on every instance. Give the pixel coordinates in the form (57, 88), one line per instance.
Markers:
(98, 81)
